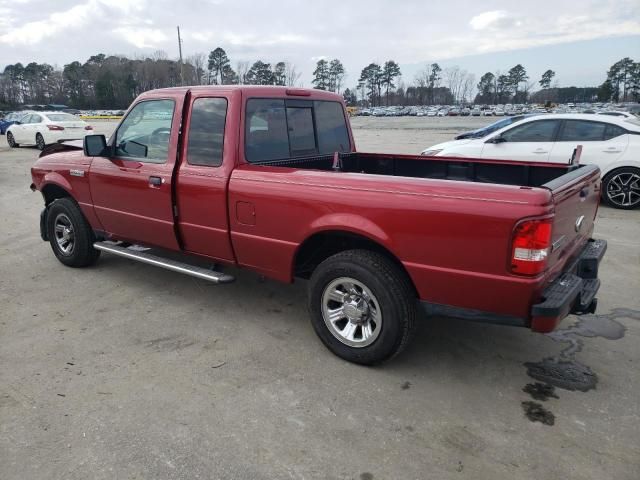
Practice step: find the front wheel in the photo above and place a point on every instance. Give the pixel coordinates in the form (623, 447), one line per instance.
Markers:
(70, 235)
(11, 141)
(621, 188)
(362, 306)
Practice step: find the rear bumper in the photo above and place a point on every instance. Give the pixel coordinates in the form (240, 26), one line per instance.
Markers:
(574, 291)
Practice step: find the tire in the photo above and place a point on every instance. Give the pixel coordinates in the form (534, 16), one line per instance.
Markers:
(621, 188)
(70, 235)
(378, 313)
(11, 141)
(40, 141)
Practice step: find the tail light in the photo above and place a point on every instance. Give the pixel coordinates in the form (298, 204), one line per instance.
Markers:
(88, 127)
(55, 127)
(531, 246)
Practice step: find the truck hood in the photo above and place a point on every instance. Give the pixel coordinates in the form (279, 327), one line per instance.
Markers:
(70, 145)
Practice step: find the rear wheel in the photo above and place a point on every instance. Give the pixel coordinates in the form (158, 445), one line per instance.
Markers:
(70, 235)
(362, 306)
(40, 141)
(11, 141)
(621, 188)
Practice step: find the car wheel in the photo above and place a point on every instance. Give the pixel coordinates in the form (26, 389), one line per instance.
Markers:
(40, 141)
(362, 306)
(70, 235)
(621, 188)
(11, 141)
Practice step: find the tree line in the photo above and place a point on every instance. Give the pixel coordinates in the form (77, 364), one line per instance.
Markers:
(113, 81)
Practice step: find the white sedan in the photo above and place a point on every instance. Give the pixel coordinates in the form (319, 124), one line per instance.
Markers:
(611, 143)
(43, 128)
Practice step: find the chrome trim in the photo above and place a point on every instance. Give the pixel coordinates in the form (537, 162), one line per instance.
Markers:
(76, 173)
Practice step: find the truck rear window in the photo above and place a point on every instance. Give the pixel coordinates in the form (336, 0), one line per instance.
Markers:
(279, 129)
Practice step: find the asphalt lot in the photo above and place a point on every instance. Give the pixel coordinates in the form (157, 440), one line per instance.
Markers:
(126, 371)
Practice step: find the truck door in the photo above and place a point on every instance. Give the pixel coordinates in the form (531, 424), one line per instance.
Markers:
(131, 190)
(209, 147)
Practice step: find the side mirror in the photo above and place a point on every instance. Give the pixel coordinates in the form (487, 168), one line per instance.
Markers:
(94, 145)
(17, 122)
(498, 139)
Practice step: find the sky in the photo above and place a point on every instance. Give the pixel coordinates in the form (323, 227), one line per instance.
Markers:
(579, 40)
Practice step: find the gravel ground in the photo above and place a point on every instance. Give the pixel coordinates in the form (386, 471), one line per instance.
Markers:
(130, 372)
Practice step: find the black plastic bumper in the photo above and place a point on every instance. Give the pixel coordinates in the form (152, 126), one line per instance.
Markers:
(575, 290)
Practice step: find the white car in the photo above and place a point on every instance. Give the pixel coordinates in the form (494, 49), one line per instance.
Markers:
(44, 128)
(611, 143)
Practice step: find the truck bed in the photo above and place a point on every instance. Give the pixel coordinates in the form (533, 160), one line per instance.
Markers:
(443, 168)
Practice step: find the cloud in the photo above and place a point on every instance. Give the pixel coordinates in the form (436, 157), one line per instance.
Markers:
(60, 22)
(142, 37)
(494, 20)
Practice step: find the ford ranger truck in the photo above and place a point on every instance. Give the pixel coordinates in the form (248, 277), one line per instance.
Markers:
(269, 179)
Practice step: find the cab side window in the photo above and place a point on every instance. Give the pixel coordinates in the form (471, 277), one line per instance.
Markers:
(206, 132)
(279, 129)
(538, 131)
(144, 134)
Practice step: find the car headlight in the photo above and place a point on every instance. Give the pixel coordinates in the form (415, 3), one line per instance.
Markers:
(431, 153)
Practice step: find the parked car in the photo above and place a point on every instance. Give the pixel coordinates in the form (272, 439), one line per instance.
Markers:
(43, 128)
(611, 143)
(618, 114)
(487, 113)
(9, 119)
(269, 179)
(476, 112)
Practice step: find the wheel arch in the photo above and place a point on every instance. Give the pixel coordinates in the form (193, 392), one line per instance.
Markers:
(322, 244)
(54, 187)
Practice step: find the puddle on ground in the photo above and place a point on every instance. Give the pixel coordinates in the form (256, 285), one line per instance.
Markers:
(537, 413)
(540, 391)
(564, 371)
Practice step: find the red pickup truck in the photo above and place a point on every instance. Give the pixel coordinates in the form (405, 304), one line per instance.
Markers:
(269, 179)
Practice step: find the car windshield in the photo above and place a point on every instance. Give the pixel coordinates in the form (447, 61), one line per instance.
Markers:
(61, 117)
(483, 132)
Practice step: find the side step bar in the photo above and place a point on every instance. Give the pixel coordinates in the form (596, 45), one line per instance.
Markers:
(173, 265)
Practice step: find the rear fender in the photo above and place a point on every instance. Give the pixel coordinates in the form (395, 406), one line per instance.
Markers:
(348, 222)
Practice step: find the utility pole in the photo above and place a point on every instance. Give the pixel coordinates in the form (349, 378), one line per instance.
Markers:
(180, 50)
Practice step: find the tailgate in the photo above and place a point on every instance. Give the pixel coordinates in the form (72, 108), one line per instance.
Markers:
(576, 196)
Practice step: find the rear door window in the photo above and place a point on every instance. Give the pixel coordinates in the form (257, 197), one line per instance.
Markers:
(537, 131)
(613, 131)
(582, 131)
(206, 132)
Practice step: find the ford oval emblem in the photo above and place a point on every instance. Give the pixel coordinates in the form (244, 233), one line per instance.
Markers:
(579, 221)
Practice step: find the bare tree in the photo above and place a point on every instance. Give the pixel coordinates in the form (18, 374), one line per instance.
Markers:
(198, 60)
(242, 67)
(292, 76)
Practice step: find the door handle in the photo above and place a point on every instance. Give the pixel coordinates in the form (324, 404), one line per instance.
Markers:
(541, 151)
(612, 150)
(155, 181)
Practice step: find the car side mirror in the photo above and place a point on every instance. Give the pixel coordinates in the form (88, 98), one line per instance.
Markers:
(17, 122)
(498, 139)
(95, 145)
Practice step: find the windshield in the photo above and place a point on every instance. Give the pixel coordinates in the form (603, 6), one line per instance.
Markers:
(61, 117)
(483, 132)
